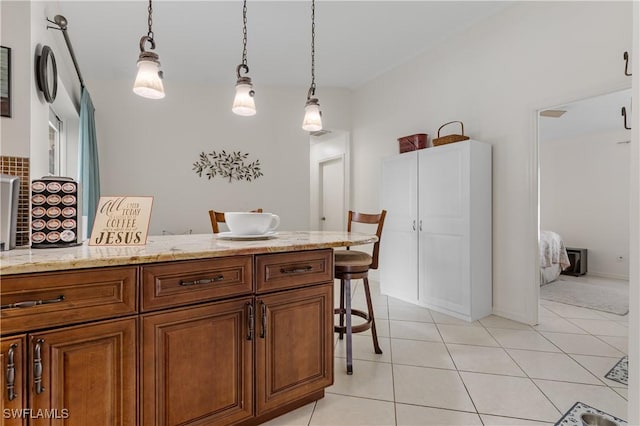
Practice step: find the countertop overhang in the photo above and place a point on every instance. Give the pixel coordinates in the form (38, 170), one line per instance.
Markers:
(162, 248)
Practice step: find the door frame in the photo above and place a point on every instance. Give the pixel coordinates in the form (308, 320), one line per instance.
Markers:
(533, 305)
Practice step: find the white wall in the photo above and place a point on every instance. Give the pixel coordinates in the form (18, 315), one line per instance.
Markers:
(148, 147)
(15, 34)
(494, 77)
(584, 196)
(24, 29)
(634, 264)
(41, 36)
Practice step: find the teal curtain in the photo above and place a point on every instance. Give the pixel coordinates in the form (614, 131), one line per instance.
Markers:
(89, 165)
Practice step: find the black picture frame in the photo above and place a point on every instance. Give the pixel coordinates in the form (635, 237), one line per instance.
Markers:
(5, 81)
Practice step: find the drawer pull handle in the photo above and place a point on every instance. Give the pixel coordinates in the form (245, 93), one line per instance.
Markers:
(296, 270)
(203, 281)
(31, 303)
(11, 373)
(263, 331)
(251, 320)
(37, 367)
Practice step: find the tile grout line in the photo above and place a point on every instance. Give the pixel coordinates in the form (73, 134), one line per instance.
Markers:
(527, 374)
(460, 375)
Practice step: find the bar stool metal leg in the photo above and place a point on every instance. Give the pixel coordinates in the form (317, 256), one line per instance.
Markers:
(374, 333)
(347, 288)
(341, 333)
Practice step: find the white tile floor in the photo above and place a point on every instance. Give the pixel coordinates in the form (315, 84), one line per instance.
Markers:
(438, 370)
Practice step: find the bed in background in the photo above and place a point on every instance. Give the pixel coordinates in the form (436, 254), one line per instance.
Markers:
(553, 256)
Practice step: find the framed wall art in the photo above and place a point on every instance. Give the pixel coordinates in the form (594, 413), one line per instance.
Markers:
(5, 81)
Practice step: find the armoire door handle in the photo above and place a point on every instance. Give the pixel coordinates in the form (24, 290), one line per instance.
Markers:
(414, 225)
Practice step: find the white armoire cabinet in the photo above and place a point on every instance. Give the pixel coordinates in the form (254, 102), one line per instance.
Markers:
(436, 245)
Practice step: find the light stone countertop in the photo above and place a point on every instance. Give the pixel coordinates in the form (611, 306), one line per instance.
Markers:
(162, 248)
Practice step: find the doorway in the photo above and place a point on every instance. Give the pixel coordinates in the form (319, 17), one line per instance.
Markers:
(329, 181)
(583, 202)
(331, 192)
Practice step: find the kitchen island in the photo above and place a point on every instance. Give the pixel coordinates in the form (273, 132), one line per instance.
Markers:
(188, 329)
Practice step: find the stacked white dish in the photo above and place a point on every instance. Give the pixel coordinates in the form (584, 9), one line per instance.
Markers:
(250, 225)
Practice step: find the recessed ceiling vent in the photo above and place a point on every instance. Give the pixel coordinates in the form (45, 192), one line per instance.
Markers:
(554, 113)
(320, 132)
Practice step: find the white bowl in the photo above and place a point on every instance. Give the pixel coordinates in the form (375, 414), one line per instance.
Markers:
(249, 223)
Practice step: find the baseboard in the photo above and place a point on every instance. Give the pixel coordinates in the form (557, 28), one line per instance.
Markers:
(607, 275)
(513, 316)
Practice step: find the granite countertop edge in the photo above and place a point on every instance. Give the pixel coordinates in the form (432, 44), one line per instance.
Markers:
(168, 248)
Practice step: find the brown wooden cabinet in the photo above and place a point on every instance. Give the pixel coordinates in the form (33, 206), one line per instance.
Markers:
(46, 300)
(83, 374)
(89, 371)
(235, 340)
(294, 348)
(13, 380)
(197, 364)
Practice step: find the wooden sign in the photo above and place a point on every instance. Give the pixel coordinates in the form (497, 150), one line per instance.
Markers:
(121, 221)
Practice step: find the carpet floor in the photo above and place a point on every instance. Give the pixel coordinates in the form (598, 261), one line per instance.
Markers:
(613, 299)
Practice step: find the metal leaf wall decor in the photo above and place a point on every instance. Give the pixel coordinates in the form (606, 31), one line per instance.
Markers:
(229, 165)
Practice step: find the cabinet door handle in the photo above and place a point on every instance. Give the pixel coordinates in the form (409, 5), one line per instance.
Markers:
(414, 225)
(296, 270)
(37, 366)
(420, 225)
(11, 373)
(203, 281)
(263, 330)
(251, 320)
(30, 303)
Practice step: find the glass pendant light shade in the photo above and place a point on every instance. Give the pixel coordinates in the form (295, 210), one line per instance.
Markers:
(243, 103)
(148, 83)
(312, 121)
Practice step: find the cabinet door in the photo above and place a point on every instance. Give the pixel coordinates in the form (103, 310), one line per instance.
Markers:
(85, 375)
(197, 365)
(13, 378)
(399, 245)
(294, 346)
(444, 227)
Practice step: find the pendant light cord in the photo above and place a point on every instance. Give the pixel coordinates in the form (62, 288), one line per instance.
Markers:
(312, 89)
(244, 35)
(243, 66)
(150, 20)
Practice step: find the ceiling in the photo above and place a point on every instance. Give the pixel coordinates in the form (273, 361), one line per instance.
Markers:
(591, 116)
(201, 41)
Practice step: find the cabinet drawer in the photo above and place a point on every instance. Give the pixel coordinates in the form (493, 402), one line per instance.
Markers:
(36, 301)
(179, 283)
(288, 270)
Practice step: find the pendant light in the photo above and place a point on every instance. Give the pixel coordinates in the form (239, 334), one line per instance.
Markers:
(312, 115)
(243, 103)
(148, 82)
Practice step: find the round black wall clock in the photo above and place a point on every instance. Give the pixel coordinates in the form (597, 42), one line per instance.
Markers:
(47, 74)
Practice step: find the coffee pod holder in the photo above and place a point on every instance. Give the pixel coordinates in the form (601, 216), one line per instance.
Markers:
(56, 216)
